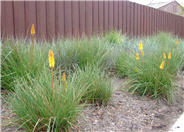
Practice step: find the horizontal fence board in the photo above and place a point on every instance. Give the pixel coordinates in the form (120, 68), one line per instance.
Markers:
(55, 19)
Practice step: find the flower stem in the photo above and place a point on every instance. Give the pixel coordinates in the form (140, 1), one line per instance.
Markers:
(52, 80)
(167, 64)
(32, 48)
(157, 82)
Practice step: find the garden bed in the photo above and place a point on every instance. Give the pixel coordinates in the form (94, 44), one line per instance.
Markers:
(107, 83)
(125, 112)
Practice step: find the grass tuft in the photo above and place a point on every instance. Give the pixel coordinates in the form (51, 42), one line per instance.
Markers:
(41, 108)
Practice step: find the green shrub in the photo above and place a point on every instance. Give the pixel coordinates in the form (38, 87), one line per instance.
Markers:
(16, 61)
(41, 108)
(98, 88)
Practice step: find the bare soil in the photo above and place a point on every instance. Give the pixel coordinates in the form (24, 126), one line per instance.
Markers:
(124, 113)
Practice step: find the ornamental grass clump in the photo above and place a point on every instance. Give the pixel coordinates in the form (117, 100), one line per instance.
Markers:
(143, 68)
(92, 52)
(43, 104)
(151, 78)
(82, 52)
(97, 86)
(15, 61)
(115, 38)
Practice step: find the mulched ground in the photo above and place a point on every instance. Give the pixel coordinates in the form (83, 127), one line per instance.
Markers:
(125, 113)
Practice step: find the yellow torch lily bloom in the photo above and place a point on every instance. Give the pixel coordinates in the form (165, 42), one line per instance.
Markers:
(169, 55)
(32, 30)
(140, 46)
(142, 53)
(64, 80)
(51, 59)
(162, 65)
(164, 55)
(137, 56)
(177, 42)
(64, 77)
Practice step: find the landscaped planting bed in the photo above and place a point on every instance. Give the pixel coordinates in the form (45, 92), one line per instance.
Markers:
(110, 82)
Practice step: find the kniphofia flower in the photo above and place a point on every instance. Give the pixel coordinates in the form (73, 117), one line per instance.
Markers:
(142, 53)
(164, 55)
(177, 42)
(140, 46)
(64, 77)
(32, 30)
(64, 80)
(137, 56)
(169, 55)
(162, 65)
(51, 59)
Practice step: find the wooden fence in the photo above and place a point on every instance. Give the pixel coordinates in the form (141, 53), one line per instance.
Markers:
(76, 18)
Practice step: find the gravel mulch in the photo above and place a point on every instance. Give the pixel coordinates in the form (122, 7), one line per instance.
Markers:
(131, 113)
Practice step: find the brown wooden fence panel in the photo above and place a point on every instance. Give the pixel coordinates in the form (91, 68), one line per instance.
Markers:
(100, 16)
(89, 14)
(19, 17)
(132, 18)
(138, 20)
(60, 23)
(68, 18)
(115, 11)
(111, 17)
(7, 23)
(82, 15)
(76, 18)
(142, 20)
(120, 14)
(106, 16)
(50, 19)
(95, 17)
(30, 16)
(128, 18)
(124, 17)
(41, 31)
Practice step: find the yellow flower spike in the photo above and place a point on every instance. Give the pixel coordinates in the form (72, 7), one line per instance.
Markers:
(64, 80)
(162, 65)
(164, 55)
(32, 30)
(51, 59)
(140, 46)
(137, 56)
(169, 55)
(142, 53)
(64, 77)
(177, 42)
